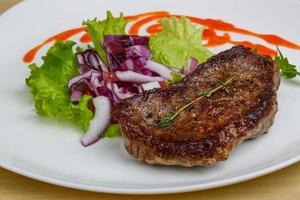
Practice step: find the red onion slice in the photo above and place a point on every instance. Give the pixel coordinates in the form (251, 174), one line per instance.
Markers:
(114, 99)
(80, 58)
(100, 121)
(139, 87)
(76, 95)
(86, 75)
(150, 86)
(119, 92)
(130, 76)
(160, 69)
(129, 64)
(92, 58)
(192, 65)
(126, 52)
(83, 68)
(102, 65)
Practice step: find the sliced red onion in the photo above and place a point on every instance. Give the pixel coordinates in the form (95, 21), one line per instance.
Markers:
(140, 63)
(138, 55)
(129, 64)
(146, 72)
(150, 86)
(126, 52)
(159, 69)
(138, 51)
(114, 100)
(86, 75)
(83, 86)
(130, 76)
(91, 59)
(80, 58)
(127, 87)
(83, 68)
(86, 83)
(85, 55)
(96, 82)
(140, 89)
(95, 61)
(103, 91)
(76, 95)
(107, 92)
(120, 94)
(100, 121)
(192, 65)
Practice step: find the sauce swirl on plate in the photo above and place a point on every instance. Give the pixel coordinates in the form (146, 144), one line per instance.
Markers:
(30, 55)
(210, 34)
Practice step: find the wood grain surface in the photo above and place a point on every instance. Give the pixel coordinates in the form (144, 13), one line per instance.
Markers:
(281, 185)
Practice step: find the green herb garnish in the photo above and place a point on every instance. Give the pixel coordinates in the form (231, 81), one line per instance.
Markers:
(166, 121)
(205, 94)
(287, 70)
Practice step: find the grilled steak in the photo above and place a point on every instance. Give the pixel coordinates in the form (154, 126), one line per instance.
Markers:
(208, 130)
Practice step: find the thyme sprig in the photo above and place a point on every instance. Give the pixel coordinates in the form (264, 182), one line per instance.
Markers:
(287, 69)
(166, 121)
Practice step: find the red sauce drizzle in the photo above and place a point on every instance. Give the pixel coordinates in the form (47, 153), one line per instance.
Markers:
(133, 18)
(220, 25)
(209, 34)
(134, 30)
(29, 56)
(154, 29)
(85, 38)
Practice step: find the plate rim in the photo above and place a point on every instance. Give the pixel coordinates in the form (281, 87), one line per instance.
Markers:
(168, 190)
(118, 190)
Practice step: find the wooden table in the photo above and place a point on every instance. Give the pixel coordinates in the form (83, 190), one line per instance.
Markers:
(281, 185)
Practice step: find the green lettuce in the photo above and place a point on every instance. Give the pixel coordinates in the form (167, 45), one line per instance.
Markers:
(179, 40)
(97, 29)
(175, 77)
(48, 85)
(113, 130)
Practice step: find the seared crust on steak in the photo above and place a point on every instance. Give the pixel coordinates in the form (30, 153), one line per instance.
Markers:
(210, 129)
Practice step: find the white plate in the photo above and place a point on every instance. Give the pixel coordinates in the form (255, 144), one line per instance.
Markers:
(50, 151)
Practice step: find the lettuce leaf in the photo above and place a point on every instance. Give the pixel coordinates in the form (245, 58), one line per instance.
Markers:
(179, 40)
(81, 113)
(97, 29)
(48, 85)
(112, 131)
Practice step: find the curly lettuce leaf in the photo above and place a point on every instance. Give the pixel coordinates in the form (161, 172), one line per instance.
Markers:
(48, 85)
(112, 131)
(176, 77)
(97, 29)
(179, 40)
(81, 113)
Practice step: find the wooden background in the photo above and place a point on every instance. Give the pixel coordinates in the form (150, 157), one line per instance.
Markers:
(281, 185)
